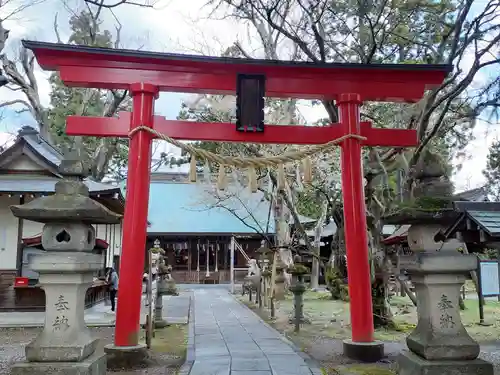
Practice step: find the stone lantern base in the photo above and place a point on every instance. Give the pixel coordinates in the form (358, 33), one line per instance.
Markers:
(65, 346)
(412, 364)
(93, 365)
(440, 344)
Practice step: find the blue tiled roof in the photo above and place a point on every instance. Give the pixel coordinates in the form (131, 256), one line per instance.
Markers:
(489, 221)
(14, 183)
(44, 148)
(176, 207)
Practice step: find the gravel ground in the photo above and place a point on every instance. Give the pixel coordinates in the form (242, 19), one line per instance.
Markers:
(12, 342)
(328, 352)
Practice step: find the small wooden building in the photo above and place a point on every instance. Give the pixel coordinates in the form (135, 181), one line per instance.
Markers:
(195, 223)
(28, 169)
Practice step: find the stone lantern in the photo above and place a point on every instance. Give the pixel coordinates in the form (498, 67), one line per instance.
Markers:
(279, 291)
(161, 287)
(439, 344)
(65, 346)
(264, 255)
(262, 286)
(298, 270)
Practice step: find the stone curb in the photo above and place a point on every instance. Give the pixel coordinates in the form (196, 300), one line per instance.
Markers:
(185, 369)
(40, 325)
(311, 362)
(89, 325)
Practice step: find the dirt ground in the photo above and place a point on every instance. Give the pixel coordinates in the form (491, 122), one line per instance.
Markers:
(330, 324)
(167, 352)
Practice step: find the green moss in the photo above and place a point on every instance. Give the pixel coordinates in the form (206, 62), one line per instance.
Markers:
(298, 269)
(171, 340)
(368, 370)
(427, 204)
(357, 369)
(156, 250)
(336, 286)
(403, 327)
(324, 296)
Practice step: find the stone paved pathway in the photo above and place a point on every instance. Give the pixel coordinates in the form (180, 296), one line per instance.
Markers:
(231, 340)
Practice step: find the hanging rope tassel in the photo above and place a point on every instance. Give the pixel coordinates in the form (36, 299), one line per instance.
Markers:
(252, 179)
(307, 170)
(192, 169)
(281, 177)
(221, 179)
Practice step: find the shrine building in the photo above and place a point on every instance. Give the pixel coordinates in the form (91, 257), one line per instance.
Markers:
(28, 169)
(195, 222)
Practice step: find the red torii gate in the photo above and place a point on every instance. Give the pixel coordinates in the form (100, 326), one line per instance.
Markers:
(145, 74)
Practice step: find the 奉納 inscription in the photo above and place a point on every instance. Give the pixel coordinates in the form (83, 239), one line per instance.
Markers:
(61, 304)
(444, 305)
(60, 323)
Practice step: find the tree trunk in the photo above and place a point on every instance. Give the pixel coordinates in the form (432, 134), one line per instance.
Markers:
(282, 235)
(461, 302)
(382, 315)
(473, 275)
(407, 290)
(336, 273)
(318, 230)
(315, 270)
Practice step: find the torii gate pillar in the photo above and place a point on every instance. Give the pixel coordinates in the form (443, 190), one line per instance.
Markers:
(362, 344)
(136, 216)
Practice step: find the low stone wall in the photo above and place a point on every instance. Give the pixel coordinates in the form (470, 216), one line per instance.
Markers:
(7, 295)
(219, 277)
(33, 298)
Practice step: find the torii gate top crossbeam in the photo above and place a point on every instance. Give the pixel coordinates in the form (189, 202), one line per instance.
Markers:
(118, 69)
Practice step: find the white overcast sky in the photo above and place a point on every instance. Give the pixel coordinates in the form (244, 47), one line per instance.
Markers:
(179, 26)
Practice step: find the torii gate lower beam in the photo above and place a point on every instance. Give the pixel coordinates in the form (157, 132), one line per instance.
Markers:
(138, 189)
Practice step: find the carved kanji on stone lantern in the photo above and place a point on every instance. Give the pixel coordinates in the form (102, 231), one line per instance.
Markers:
(66, 272)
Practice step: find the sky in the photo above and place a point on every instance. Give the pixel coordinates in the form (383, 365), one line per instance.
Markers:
(179, 26)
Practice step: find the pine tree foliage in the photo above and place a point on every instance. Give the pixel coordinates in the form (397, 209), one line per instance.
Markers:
(104, 155)
(68, 101)
(492, 171)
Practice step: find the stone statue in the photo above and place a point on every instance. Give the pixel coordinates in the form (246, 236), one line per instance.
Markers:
(66, 272)
(171, 285)
(252, 279)
(253, 274)
(167, 284)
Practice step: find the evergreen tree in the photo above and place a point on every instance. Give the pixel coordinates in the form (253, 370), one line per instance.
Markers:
(492, 171)
(102, 153)
(67, 101)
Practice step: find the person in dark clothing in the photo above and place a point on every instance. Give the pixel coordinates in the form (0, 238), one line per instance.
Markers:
(112, 280)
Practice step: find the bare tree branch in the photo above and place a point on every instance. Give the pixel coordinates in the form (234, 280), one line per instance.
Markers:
(117, 3)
